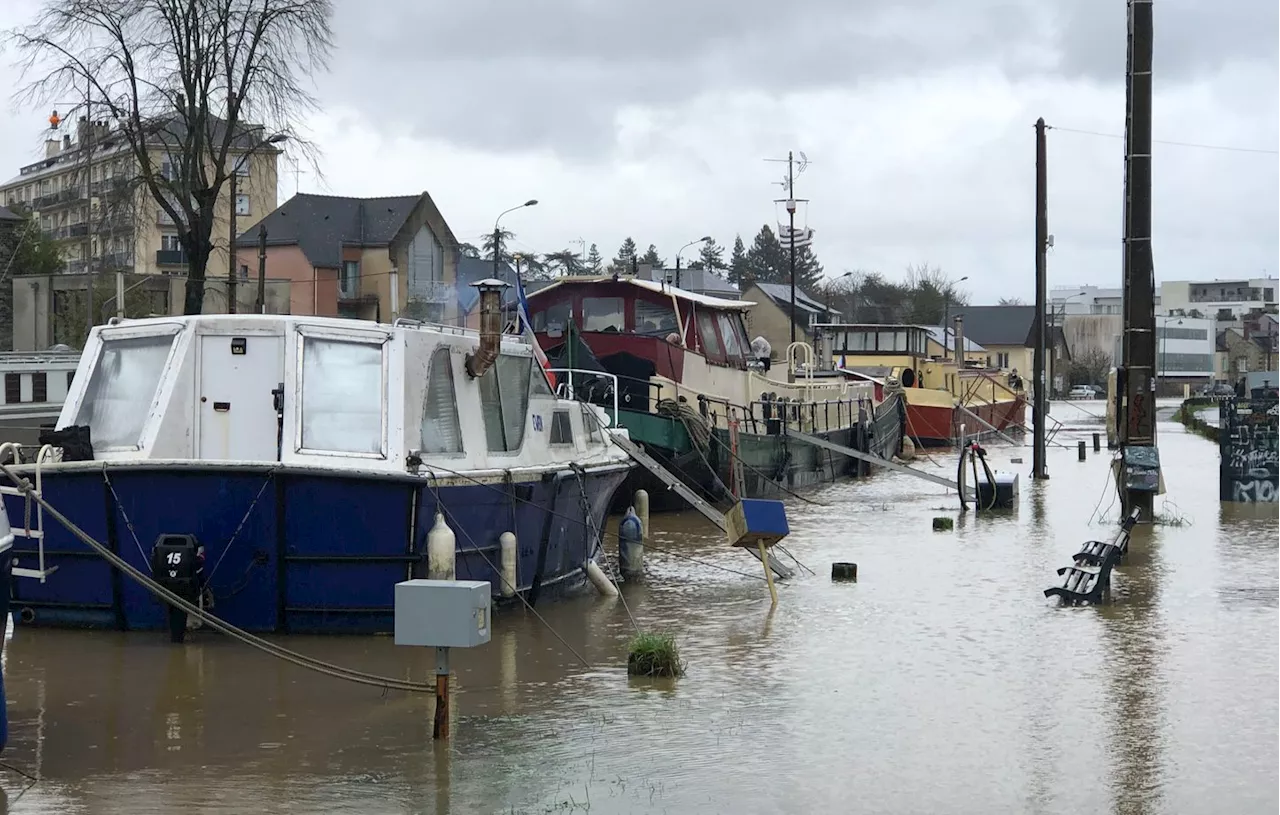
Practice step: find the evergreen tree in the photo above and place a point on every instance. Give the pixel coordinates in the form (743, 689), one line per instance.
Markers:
(808, 269)
(595, 263)
(625, 260)
(739, 270)
(505, 237)
(470, 250)
(25, 249)
(711, 256)
(650, 257)
(566, 261)
(766, 260)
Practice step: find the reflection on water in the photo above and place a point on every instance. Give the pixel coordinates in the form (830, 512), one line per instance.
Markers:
(941, 682)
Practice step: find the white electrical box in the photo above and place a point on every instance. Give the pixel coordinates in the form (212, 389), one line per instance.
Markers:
(443, 613)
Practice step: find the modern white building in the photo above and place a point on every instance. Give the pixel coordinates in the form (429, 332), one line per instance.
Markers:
(1185, 348)
(1088, 300)
(1221, 299)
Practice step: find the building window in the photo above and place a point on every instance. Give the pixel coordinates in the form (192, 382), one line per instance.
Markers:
(504, 403)
(242, 166)
(441, 432)
(244, 271)
(121, 389)
(349, 280)
(242, 204)
(342, 396)
(707, 331)
(39, 387)
(169, 242)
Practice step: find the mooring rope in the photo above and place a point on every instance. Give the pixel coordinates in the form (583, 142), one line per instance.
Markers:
(301, 660)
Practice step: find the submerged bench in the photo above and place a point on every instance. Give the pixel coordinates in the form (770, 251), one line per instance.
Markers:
(1088, 578)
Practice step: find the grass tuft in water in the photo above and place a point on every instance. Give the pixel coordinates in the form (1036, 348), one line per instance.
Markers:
(654, 655)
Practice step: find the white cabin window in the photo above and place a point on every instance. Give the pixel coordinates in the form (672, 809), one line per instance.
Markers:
(538, 386)
(504, 402)
(441, 432)
(603, 314)
(342, 396)
(654, 319)
(121, 389)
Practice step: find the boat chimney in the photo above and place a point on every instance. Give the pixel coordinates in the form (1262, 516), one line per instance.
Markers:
(959, 337)
(490, 327)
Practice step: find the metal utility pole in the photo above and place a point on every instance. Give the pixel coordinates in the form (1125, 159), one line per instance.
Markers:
(791, 219)
(1042, 246)
(789, 184)
(1136, 421)
(262, 268)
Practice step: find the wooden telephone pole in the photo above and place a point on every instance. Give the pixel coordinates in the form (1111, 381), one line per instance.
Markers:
(1136, 418)
(1041, 386)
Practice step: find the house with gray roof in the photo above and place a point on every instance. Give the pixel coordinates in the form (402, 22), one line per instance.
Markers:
(1008, 333)
(343, 255)
(771, 316)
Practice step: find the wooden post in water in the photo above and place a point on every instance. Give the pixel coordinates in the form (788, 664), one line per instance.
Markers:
(768, 573)
(440, 727)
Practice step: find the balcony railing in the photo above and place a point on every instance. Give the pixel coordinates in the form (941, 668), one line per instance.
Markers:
(60, 198)
(171, 257)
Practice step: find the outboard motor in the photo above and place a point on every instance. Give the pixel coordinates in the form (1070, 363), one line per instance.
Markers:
(177, 563)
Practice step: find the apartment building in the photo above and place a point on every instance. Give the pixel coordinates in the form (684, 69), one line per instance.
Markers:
(86, 193)
(1222, 300)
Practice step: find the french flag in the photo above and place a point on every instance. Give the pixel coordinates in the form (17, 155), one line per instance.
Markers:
(526, 328)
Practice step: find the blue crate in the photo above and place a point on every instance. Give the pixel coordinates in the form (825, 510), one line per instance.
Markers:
(755, 521)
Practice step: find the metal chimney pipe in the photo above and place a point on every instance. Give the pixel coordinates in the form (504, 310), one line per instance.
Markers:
(490, 327)
(959, 340)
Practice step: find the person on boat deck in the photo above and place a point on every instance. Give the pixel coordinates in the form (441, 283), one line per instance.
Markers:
(1015, 381)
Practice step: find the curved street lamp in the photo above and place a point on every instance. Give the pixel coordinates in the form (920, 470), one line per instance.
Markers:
(497, 233)
(704, 239)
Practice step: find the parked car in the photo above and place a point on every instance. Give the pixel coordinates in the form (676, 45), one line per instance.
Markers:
(1082, 392)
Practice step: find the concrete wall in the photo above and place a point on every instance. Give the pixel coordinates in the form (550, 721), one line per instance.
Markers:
(1097, 332)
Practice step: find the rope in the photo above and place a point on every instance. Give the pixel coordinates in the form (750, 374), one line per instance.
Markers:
(572, 519)
(270, 476)
(301, 660)
(435, 491)
(699, 431)
(128, 523)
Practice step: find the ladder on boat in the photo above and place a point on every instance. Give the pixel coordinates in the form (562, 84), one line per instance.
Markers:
(818, 441)
(27, 530)
(674, 483)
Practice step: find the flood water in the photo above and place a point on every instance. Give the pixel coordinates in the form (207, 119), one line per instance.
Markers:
(942, 682)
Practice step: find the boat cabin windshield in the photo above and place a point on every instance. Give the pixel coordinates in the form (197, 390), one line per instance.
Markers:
(122, 389)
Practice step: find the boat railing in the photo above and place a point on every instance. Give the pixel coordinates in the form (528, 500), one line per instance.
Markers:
(567, 389)
(47, 454)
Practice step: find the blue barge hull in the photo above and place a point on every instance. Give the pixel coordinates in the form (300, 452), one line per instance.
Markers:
(314, 552)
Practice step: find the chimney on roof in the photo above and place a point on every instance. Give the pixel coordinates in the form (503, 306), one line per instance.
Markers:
(66, 142)
(51, 147)
(959, 337)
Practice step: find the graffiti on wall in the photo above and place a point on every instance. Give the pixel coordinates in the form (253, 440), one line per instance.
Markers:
(1248, 445)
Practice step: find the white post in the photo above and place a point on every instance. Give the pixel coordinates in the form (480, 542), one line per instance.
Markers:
(120, 295)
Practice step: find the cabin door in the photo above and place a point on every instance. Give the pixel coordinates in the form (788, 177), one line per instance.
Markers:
(235, 406)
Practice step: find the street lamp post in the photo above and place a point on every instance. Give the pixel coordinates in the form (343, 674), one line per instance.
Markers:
(231, 243)
(497, 234)
(703, 239)
(1053, 322)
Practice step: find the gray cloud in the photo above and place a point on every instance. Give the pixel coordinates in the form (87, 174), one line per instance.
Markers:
(500, 75)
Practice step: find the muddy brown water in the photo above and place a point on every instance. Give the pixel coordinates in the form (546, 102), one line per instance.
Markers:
(942, 682)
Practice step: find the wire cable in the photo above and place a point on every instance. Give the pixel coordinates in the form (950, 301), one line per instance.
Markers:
(1196, 145)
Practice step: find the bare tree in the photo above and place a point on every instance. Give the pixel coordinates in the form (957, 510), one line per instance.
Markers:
(1011, 301)
(184, 79)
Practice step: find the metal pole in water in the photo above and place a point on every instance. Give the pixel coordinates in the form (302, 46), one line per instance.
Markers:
(1097, 442)
(440, 726)
(1039, 408)
(1080, 450)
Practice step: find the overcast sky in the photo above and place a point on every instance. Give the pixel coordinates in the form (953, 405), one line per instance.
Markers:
(653, 120)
